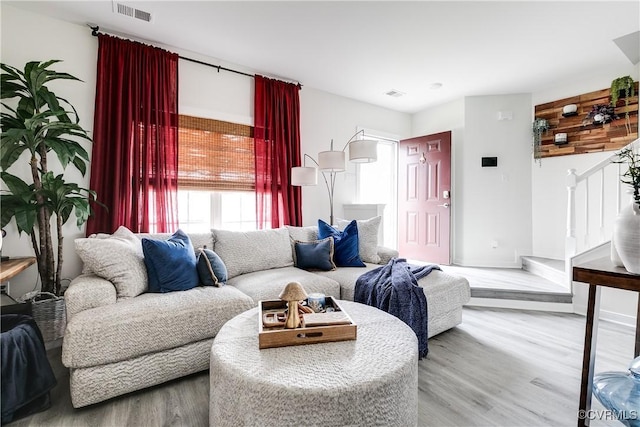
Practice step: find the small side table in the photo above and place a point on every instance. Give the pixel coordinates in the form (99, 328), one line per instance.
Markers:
(600, 273)
(9, 269)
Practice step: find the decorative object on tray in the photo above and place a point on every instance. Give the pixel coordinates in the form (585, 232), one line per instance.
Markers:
(333, 324)
(619, 392)
(600, 114)
(293, 293)
(539, 126)
(570, 110)
(316, 302)
(326, 319)
(626, 228)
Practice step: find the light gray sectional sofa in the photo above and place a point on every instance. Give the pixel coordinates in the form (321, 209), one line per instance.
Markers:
(117, 343)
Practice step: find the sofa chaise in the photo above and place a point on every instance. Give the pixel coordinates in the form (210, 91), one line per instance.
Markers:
(118, 341)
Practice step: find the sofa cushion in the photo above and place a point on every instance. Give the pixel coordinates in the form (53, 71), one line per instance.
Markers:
(117, 258)
(211, 269)
(248, 251)
(171, 263)
(367, 237)
(346, 243)
(267, 285)
(315, 255)
(149, 323)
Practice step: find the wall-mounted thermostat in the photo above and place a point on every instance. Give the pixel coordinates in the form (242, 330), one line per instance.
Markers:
(489, 162)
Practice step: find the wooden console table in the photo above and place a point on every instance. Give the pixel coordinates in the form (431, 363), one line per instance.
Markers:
(597, 274)
(14, 266)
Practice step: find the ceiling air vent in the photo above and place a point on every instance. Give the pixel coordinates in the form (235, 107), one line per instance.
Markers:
(395, 93)
(132, 12)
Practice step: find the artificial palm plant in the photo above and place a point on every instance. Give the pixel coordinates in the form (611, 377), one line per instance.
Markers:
(41, 123)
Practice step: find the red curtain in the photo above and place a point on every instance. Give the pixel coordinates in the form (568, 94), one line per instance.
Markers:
(134, 165)
(277, 145)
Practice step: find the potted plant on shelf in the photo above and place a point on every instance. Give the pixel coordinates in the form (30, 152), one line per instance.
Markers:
(623, 87)
(39, 124)
(539, 126)
(600, 114)
(626, 229)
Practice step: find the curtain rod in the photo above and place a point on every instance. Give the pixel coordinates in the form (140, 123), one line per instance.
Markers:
(95, 31)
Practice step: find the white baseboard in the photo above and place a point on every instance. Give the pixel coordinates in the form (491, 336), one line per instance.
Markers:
(482, 264)
(621, 319)
(521, 305)
(610, 316)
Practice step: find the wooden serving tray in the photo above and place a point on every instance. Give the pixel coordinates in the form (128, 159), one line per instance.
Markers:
(269, 337)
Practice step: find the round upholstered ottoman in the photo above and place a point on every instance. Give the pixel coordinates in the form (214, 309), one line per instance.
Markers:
(372, 380)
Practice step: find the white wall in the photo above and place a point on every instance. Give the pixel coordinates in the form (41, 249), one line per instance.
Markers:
(497, 201)
(202, 92)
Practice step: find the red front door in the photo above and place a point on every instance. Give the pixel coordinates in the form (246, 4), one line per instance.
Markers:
(424, 198)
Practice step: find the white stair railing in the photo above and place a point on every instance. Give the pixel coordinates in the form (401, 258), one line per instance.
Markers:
(575, 181)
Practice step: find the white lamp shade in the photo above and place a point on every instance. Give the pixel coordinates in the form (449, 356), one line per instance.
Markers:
(363, 151)
(331, 161)
(304, 176)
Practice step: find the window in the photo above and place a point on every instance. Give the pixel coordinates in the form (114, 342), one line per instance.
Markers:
(377, 183)
(200, 211)
(216, 178)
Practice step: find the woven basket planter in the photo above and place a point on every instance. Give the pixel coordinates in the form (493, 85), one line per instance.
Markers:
(50, 315)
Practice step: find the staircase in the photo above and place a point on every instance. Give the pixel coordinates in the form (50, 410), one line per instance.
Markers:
(589, 232)
(550, 269)
(588, 237)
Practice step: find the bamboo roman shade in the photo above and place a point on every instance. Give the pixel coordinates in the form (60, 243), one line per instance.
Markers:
(214, 155)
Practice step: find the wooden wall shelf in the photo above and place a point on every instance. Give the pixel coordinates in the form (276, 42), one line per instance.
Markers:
(592, 137)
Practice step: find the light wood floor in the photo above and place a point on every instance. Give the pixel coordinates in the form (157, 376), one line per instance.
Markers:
(499, 368)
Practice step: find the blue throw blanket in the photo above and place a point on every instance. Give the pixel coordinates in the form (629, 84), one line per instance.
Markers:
(394, 288)
(27, 376)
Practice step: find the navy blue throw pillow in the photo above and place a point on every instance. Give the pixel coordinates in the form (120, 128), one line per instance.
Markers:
(345, 243)
(171, 264)
(316, 255)
(211, 268)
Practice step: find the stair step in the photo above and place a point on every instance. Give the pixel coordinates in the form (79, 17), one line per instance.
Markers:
(554, 297)
(550, 269)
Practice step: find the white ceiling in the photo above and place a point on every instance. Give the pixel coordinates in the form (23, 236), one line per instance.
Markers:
(363, 49)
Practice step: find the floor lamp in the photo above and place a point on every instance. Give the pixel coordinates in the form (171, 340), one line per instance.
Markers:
(333, 162)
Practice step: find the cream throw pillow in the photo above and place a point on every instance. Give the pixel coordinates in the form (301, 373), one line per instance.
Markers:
(248, 251)
(117, 258)
(367, 237)
(303, 234)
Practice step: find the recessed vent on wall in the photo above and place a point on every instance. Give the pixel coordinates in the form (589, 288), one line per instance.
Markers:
(123, 9)
(395, 93)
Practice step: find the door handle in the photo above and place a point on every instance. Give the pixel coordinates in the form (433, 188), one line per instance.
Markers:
(446, 205)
